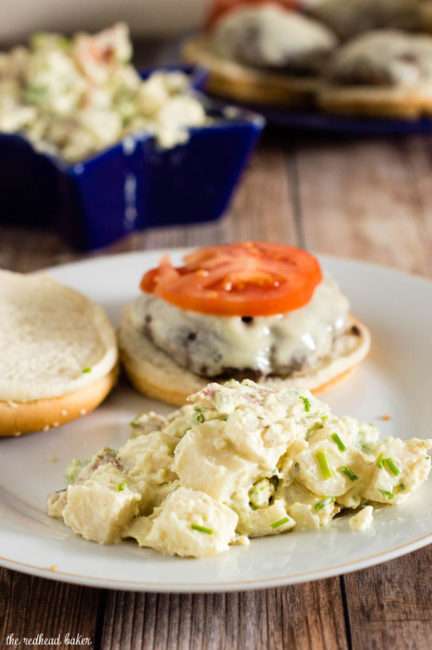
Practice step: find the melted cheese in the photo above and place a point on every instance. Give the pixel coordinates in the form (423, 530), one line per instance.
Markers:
(271, 36)
(384, 58)
(350, 17)
(211, 345)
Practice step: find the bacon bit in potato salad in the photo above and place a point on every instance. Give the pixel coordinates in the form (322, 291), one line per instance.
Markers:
(76, 97)
(241, 460)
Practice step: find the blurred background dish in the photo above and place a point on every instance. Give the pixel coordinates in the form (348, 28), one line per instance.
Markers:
(370, 60)
(98, 151)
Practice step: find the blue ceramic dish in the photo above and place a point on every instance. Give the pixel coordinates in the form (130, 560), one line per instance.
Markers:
(334, 124)
(131, 186)
(303, 122)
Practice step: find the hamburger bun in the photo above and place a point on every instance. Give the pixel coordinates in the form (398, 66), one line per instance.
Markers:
(58, 354)
(264, 54)
(383, 73)
(243, 83)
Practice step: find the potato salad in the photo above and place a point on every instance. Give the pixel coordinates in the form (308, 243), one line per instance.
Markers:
(76, 97)
(240, 460)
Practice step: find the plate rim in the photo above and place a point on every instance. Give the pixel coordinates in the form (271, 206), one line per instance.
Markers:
(51, 573)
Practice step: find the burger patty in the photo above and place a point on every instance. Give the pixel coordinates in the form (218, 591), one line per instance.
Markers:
(241, 347)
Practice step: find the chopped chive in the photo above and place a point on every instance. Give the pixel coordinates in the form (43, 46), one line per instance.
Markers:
(202, 529)
(315, 427)
(380, 461)
(197, 417)
(306, 402)
(338, 441)
(121, 487)
(324, 503)
(281, 522)
(391, 465)
(85, 370)
(386, 493)
(325, 466)
(348, 472)
(135, 422)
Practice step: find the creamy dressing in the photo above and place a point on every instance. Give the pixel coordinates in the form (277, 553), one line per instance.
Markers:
(212, 345)
(270, 36)
(362, 520)
(383, 58)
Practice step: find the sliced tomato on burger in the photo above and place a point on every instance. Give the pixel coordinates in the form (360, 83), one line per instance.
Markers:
(243, 279)
(220, 7)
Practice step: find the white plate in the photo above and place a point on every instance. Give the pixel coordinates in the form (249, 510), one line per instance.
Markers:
(396, 379)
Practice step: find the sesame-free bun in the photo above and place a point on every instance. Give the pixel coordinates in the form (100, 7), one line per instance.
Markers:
(155, 374)
(58, 353)
(243, 83)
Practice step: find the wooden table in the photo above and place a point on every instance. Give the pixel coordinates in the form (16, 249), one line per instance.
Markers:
(364, 199)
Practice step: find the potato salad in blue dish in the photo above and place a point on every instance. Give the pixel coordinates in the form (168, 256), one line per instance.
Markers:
(76, 97)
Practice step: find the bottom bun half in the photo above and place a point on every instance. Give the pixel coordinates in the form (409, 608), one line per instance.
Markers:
(156, 375)
(17, 418)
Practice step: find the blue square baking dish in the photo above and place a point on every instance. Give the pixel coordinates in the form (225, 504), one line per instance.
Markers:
(131, 186)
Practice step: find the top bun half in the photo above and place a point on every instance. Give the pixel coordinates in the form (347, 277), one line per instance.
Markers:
(53, 340)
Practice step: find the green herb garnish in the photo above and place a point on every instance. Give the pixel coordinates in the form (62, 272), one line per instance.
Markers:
(324, 503)
(197, 416)
(391, 465)
(313, 429)
(348, 472)
(73, 468)
(202, 529)
(306, 402)
(386, 493)
(122, 486)
(35, 94)
(324, 463)
(281, 522)
(380, 461)
(86, 370)
(338, 441)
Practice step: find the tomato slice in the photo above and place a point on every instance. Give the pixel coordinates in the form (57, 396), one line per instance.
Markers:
(243, 279)
(220, 7)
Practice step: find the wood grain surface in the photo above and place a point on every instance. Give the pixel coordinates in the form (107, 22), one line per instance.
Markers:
(369, 200)
(364, 199)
